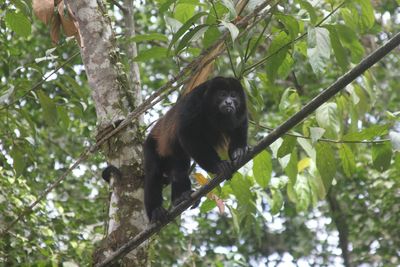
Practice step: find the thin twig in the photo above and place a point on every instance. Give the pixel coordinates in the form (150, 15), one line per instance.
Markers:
(42, 80)
(262, 61)
(325, 139)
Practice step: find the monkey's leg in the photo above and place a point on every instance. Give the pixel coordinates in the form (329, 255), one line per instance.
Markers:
(181, 187)
(153, 183)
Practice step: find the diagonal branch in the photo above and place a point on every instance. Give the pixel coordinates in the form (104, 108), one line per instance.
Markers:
(320, 99)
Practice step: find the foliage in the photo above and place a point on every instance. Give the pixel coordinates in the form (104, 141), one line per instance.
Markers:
(282, 205)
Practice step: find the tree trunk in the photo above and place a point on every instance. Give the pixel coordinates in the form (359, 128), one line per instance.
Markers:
(113, 100)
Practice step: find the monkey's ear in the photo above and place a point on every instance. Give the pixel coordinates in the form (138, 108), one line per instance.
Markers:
(110, 170)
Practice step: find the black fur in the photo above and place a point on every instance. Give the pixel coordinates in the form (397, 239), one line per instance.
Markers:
(212, 115)
(110, 170)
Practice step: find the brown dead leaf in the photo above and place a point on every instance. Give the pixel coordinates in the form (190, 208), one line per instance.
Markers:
(55, 29)
(200, 178)
(220, 204)
(43, 10)
(203, 181)
(66, 20)
(202, 75)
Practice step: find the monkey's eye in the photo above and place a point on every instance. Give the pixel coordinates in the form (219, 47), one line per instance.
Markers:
(222, 94)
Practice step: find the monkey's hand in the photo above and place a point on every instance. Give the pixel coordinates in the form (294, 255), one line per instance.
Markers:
(186, 196)
(158, 215)
(225, 169)
(238, 154)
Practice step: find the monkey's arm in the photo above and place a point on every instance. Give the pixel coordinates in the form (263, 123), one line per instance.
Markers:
(238, 143)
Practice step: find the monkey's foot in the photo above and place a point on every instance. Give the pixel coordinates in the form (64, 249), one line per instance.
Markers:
(158, 215)
(185, 196)
(225, 169)
(239, 154)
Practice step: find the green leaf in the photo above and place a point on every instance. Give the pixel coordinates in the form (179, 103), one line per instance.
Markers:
(319, 48)
(349, 18)
(241, 188)
(357, 51)
(276, 203)
(207, 205)
(150, 37)
(152, 53)
(350, 40)
(291, 169)
(18, 23)
(314, 192)
(22, 6)
(291, 24)
(303, 193)
(366, 16)
(364, 104)
(310, 9)
(328, 118)
(49, 108)
(286, 67)
(277, 52)
(291, 193)
(381, 156)
(326, 163)
(211, 35)
(368, 133)
(338, 49)
(231, 7)
(183, 12)
(200, 29)
(262, 168)
(235, 219)
(275, 147)
(289, 142)
(164, 6)
(63, 116)
(317, 186)
(174, 24)
(185, 27)
(353, 94)
(316, 133)
(18, 160)
(348, 160)
(305, 144)
(346, 34)
(290, 102)
(234, 31)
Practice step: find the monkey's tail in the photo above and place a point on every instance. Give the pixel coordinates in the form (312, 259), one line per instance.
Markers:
(110, 170)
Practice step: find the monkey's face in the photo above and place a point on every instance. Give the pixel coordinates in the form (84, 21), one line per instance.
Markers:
(228, 101)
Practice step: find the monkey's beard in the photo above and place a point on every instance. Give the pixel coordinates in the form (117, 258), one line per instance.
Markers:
(227, 110)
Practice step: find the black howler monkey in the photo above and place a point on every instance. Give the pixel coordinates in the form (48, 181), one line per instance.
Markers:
(212, 116)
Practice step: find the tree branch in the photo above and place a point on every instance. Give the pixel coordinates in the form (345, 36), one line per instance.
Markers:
(320, 99)
(339, 218)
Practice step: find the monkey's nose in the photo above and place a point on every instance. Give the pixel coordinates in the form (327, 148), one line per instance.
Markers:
(228, 103)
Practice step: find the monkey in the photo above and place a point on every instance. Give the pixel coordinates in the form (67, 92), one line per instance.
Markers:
(211, 117)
